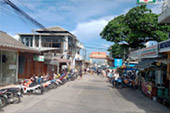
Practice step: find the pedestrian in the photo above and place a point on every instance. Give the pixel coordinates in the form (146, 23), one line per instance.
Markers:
(116, 76)
(81, 73)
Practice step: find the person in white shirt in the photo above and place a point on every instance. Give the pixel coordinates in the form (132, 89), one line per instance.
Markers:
(116, 76)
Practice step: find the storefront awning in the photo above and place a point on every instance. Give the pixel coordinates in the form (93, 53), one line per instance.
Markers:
(63, 60)
(56, 61)
(165, 61)
(145, 63)
(51, 62)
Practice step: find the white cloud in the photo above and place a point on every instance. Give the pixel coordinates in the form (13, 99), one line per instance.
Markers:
(91, 30)
(156, 9)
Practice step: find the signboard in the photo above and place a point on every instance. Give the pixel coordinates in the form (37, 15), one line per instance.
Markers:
(145, 53)
(149, 52)
(164, 46)
(98, 55)
(118, 62)
(12, 66)
(145, 1)
(38, 58)
(134, 54)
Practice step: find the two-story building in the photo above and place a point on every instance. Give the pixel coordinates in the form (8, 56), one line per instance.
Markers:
(58, 46)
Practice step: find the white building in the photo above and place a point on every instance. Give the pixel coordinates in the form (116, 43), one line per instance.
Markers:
(55, 43)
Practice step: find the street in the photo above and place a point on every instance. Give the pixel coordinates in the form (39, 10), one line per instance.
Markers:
(92, 94)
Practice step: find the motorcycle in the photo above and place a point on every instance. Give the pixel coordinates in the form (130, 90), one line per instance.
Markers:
(118, 84)
(29, 87)
(10, 95)
(3, 99)
(127, 82)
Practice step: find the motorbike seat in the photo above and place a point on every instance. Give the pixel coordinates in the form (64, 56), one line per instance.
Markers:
(33, 84)
(3, 92)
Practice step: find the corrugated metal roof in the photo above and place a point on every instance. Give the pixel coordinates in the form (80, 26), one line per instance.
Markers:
(55, 28)
(8, 42)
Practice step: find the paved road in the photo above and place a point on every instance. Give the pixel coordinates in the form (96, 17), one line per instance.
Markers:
(92, 94)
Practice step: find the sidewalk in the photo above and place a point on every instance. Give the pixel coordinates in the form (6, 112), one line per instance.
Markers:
(8, 86)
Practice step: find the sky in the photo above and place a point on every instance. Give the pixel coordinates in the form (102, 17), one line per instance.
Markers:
(84, 18)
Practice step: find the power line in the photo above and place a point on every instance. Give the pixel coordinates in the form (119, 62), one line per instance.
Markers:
(21, 12)
(95, 48)
(10, 13)
(30, 11)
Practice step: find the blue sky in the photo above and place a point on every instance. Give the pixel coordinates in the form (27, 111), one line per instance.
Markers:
(84, 18)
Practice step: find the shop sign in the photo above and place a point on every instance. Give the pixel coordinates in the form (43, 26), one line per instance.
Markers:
(39, 58)
(12, 66)
(118, 62)
(145, 1)
(164, 46)
(149, 52)
(134, 54)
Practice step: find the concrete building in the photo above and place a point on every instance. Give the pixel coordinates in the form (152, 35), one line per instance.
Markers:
(57, 45)
(9, 58)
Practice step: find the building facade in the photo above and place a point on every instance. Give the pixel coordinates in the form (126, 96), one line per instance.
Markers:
(165, 45)
(57, 45)
(9, 58)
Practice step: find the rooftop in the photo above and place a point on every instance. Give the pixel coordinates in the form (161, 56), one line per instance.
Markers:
(8, 42)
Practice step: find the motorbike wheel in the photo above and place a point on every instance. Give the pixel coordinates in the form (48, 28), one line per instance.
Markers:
(17, 99)
(3, 102)
(40, 91)
(120, 86)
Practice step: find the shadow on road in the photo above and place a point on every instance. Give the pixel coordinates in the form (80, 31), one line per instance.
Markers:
(1, 110)
(141, 101)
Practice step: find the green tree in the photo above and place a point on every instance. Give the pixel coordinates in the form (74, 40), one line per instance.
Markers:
(117, 50)
(138, 26)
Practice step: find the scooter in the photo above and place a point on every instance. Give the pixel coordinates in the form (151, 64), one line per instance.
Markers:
(29, 87)
(3, 99)
(127, 82)
(10, 95)
(118, 83)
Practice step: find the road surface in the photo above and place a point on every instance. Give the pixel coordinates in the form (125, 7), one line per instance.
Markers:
(92, 94)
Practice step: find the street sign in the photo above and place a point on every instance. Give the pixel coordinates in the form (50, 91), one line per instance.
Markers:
(39, 58)
(145, 1)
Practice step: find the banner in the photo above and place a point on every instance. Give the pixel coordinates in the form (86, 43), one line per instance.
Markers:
(145, 1)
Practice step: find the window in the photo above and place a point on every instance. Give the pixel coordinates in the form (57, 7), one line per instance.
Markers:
(21, 64)
(36, 41)
(54, 42)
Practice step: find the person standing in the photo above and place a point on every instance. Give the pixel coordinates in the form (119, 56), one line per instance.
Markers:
(116, 76)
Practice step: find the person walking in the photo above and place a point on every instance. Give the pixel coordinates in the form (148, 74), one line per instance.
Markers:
(81, 73)
(116, 76)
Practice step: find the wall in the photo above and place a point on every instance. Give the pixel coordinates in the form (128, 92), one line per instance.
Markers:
(30, 67)
(8, 67)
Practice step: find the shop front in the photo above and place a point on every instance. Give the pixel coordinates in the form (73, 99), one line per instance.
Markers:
(9, 58)
(152, 72)
(164, 48)
(8, 67)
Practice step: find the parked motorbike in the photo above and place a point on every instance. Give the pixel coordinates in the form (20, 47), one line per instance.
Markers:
(3, 98)
(10, 95)
(29, 87)
(127, 82)
(118, 83)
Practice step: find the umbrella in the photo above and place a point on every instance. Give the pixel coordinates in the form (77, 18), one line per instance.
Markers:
(124, 66)
(112, 67)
